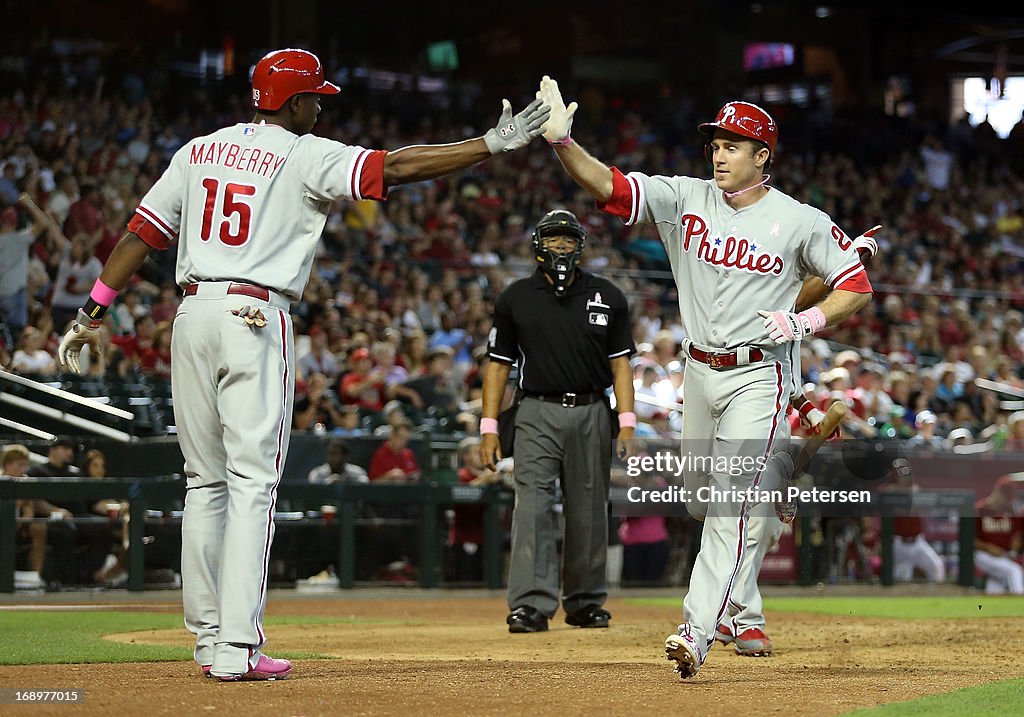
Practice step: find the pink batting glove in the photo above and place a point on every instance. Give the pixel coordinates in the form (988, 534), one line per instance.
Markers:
(785, 326)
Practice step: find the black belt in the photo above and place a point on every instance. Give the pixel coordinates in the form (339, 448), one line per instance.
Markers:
(569, 400)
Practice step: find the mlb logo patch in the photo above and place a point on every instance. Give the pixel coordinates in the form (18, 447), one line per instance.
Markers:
(598, 319)
(249, 130)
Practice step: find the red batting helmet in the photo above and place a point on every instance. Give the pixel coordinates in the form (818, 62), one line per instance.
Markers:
(745, 119)
(284, 73)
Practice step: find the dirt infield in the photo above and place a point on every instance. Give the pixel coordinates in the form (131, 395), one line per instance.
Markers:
(443, 656)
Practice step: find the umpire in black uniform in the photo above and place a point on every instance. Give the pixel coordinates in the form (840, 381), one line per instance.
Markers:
(571, 335)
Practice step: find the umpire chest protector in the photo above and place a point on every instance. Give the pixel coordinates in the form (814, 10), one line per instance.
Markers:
(562, 343)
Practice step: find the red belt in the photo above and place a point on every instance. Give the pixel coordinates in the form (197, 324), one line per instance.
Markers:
(256, 292)
(722, 360)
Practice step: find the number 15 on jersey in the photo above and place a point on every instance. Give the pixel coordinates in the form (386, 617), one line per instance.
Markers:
(230, 208)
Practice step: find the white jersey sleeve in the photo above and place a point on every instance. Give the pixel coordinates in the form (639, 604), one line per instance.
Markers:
(826, 253)
(638, 198)
(158, 216)
(332, 170)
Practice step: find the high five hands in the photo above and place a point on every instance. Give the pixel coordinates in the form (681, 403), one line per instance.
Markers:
(514, 132)
(559, 123)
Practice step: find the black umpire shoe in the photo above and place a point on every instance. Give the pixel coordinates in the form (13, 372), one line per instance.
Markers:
(527, 619)
(592, 616)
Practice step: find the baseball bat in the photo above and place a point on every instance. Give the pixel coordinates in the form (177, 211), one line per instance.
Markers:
(833, 417)
(67, 395)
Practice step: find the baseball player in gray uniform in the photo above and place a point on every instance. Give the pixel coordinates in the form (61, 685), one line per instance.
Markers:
(247, 205)
(743, 625)
(739, 251)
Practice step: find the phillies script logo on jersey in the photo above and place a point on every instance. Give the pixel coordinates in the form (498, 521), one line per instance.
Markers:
(728, 251)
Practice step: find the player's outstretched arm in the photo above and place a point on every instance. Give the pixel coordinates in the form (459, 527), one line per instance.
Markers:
(590, 173)
(421, 162)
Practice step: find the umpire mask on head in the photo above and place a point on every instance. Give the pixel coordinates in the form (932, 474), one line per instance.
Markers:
(557, 266)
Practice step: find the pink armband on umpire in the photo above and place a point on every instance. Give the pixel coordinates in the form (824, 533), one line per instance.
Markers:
(102, 294)
(627, 420)
(488, 425)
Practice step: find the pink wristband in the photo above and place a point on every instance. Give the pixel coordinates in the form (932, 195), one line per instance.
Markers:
(815, 318)
(564, 142)
(627, 420)
(488, 425)
(102, 294)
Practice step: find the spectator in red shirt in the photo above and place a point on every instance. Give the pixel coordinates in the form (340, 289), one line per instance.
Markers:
(155, 361)
(85, 216)
(394, 461)
(364, 384)
(135, 345)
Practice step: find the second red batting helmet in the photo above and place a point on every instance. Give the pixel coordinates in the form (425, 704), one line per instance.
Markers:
(282, 74)
(745, 119)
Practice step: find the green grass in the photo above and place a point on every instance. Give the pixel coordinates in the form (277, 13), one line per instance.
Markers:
(903, 608)
(45, 637)
(994, 698)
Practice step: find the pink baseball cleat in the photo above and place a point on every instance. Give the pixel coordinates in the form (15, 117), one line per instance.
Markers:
(266, 669)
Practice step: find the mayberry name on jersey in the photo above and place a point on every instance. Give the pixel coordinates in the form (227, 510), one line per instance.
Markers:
(730, 252)
(229, 154)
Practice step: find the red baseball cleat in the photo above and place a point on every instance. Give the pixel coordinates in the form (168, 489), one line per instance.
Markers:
(753, 643)
(724, 635)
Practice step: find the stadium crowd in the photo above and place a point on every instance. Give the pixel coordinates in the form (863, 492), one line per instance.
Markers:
(398, 306)
(393, 322)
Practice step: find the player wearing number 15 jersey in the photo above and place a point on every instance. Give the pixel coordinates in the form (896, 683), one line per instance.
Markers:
(247, 205)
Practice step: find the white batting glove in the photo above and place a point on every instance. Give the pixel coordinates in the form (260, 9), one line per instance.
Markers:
(810, 416)
(515, 132)
(865, 244)
(83, 331)
(783, 326)
(559, 124)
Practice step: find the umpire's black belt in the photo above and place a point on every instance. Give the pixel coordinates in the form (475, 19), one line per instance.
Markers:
(569, 400)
